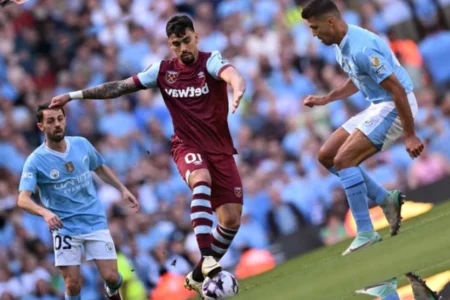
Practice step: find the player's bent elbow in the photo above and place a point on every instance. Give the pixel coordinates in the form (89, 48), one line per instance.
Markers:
(21, 201)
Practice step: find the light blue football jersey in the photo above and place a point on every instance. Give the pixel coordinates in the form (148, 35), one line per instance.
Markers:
(368, 60)
(66, 186)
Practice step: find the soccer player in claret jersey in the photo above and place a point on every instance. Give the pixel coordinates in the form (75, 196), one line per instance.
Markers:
(194, 88)
(61, 169)
(374, 70)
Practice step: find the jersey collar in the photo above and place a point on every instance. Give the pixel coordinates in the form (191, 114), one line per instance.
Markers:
(188, 67)
(59, 154)
(345, 39)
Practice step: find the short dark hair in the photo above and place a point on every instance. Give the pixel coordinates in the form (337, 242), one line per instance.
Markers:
(319, 8)
(40, 111)
(178, 25)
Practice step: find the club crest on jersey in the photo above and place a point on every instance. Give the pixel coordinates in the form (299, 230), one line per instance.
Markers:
(54, 174)
(171, 76)
(69, 167)
(238, 192)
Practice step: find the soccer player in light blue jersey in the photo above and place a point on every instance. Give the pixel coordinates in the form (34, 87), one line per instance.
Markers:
(61, 169)
(374, 70)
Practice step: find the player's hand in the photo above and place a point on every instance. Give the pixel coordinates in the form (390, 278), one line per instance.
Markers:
(237, 96)
(414, 146)
(312, 101)
(52, 220)
(128, 196)
(60, 101)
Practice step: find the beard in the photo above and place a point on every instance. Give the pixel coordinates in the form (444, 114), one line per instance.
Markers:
(56, 137)
(187, 58)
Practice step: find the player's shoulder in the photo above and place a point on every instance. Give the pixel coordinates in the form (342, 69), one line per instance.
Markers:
(216, 54)
(38, 155)
(362, 38)
(77, 141)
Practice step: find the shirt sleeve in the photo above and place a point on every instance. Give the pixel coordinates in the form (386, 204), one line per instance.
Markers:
(149, 77)
(216, 64)
(28, 179)
(374, 63)
(95, 159)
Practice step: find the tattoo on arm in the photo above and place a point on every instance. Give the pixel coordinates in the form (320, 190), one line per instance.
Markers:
(109, 90)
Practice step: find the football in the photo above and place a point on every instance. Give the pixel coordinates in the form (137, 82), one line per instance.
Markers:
(221, 286)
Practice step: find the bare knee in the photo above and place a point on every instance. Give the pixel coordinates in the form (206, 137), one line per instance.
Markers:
(73, 285)
(232, 222)
(111, 277)
(229, 215)
(342, 160)
(326, 157)
(200, 175)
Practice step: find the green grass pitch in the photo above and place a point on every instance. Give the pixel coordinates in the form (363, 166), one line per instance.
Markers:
(423, 246)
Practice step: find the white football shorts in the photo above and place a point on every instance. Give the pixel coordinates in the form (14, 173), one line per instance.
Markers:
(97, 245)
(380, 122)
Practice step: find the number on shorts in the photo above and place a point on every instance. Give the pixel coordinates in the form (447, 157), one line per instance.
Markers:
(193, 158)
(60, 240)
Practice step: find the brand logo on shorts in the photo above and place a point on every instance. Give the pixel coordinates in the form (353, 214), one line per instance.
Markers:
(69, 167)
(109, 247)
(238, 192)
(171, 76)
(369, 121)
(54, 174)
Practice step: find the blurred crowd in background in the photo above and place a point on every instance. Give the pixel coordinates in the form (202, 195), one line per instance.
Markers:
(50, 47)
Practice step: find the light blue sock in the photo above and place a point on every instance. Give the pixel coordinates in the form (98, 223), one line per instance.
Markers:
(356, 191)
(67, 297)
(114, 287)
(393, 296)
(375, 192)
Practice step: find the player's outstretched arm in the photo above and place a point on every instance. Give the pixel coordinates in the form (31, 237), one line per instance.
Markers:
(344, 91)
(107, 175)
(236, 80)
(414, 145)
(108, 90)
(25, 202)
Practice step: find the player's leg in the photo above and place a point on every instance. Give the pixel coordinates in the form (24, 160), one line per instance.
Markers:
(99, 247)
(329, 151)
(375, 122)
(201, 211)
(356, 149)
(199, 181)
(111, 276)
(229, 219)
(67, 251)
(227, 200)
(72, 281)
(193, 167)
